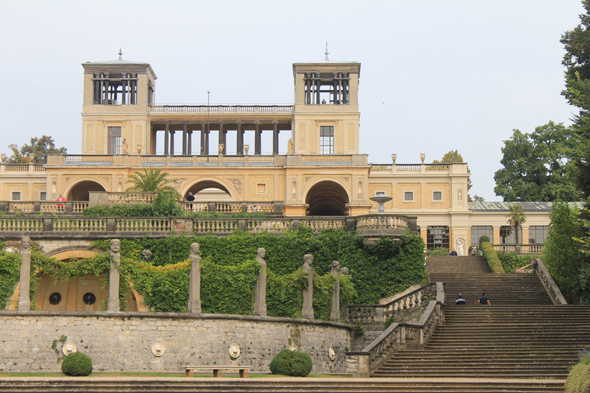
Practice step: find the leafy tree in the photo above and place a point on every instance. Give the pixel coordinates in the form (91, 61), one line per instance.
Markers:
(39, 148)
(561, 253)
(451, 157)
(153, 180)
(516, 218)
(539, 166)
(577, 91)
(477, 198)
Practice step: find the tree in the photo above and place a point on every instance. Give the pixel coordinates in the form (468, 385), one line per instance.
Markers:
(539, 166)
(516, 218)
(577, 92)
(453, 156)
(39, 149)
(150, 181)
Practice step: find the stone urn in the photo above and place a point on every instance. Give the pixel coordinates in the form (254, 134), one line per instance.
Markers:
(393, 157)
(246, 148)
(422, 157)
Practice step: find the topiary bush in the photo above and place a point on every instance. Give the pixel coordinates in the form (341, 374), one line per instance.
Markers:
(578, 380)
(76, 365)
(293, 363)
(492, 258)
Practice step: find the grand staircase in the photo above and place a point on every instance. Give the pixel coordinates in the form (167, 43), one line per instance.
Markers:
(521, 335)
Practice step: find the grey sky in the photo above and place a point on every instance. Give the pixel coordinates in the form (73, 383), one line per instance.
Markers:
(435, 75)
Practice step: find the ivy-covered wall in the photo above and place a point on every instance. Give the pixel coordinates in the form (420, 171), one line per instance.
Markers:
(229, 270)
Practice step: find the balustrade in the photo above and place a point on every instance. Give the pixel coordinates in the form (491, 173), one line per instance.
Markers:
(317, 224)
(19, 224)
(79, 224)
(535, 249)
(222, 108)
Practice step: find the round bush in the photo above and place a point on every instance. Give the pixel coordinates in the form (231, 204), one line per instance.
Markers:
(76, 365)
(294, 363)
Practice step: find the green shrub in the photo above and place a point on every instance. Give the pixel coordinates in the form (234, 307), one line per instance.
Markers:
(359, 330)
(441, 251)
(512, 262)
(492, 258)
(293, 363)
(76, 365)
(578, 380)
(483, 239)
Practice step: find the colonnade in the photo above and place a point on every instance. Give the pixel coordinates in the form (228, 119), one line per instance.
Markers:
(186, 129)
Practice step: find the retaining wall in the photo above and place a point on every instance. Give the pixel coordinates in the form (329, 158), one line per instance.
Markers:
(123, 342)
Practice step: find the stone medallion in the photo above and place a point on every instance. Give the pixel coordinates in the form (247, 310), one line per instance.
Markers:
(69, 348)
(331, 353)
(234, 351)
(158, 349)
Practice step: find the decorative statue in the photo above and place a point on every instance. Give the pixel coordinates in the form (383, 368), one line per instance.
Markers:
(289, 146)
(124, 146)
(3, 157)
(147, 254)
(246, 148)
(194, 284)
(138, 148)
(220, 148)
(393, 157)
(422, 157)
(335, 310)
(307, 311)
(113, 302)
(260, 293)
(24, 300)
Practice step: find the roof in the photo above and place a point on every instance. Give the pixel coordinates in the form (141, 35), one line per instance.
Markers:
(527, 206)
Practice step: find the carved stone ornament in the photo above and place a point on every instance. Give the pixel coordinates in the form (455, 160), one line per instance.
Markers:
(308, 178)
(138, 148)
(293, 348)
(158, 349)
(332, 354)
(422, 156)
(234, 351)
(69, 348)
(246, 148)
(3, 157)
(346, 179)
(345, 271)
(393, 157)
(236, 182)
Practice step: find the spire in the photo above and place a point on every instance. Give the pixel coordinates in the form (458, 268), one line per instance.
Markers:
(120, 54)
(326, 52)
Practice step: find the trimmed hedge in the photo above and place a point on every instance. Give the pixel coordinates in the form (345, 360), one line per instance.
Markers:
(492, 258)
(512, 262)
(76, 365)
(293, 363)
(578, 380)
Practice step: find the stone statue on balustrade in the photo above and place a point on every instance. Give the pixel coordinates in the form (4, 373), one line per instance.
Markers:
(194, 284)
(260, 293)
(307, 311)
(335, 309)
(24, 299)
(113, 302)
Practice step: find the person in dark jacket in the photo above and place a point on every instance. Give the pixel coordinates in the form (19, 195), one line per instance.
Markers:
(483, 300)
(460, 300)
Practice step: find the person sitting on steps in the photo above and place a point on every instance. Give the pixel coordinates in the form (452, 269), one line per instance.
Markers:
(460, 300)
(483, 300)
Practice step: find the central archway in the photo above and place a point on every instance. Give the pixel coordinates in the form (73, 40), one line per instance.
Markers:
(80, 192)
(327, 198)
(209, 191)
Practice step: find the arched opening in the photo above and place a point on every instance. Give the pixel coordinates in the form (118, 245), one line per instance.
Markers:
(327, 198)
(209, 191)
(80, 191)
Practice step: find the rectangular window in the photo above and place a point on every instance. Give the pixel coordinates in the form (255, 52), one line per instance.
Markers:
(507, 235)
(437, 237)
(15, 196)
(42, 196)
(538, 234)
(479, 231)
(379, 193)
(327, 140)
(114, 140)
(408, 196)
(437, 196)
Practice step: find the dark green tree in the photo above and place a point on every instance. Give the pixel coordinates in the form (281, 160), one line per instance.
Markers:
(577, 91)
(539, 166)
(38, 150)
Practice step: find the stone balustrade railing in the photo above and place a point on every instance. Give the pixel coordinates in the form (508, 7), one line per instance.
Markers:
(109, 227)
(131, 197)
(222, 108)
(534, 249)
(396, 337)
(51, 207)
(541, 270)
(377, 314)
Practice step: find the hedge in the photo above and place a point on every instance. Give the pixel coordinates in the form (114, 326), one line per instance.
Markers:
(578, 380)
(492, 258)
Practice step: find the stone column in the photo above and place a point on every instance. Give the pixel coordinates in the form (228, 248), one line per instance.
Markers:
(189, 143)
(184, 137)
(24, 300)
(194, 284)
(204, 146)
(166, 132)
(240, 139)
(171, 143)
(260, 294)
(257, 138)
(275, 137)
(113, 302)
(335, 310)
(221, 138)
(307, 312)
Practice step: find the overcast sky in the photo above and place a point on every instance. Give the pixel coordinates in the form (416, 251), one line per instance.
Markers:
(435, 75)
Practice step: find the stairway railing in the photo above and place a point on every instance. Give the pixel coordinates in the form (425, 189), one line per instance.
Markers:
(396, 337)
(377, 314)
(552, 288)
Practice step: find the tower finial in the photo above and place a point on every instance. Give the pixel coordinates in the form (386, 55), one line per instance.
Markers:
(326, 52)
(120, 54)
